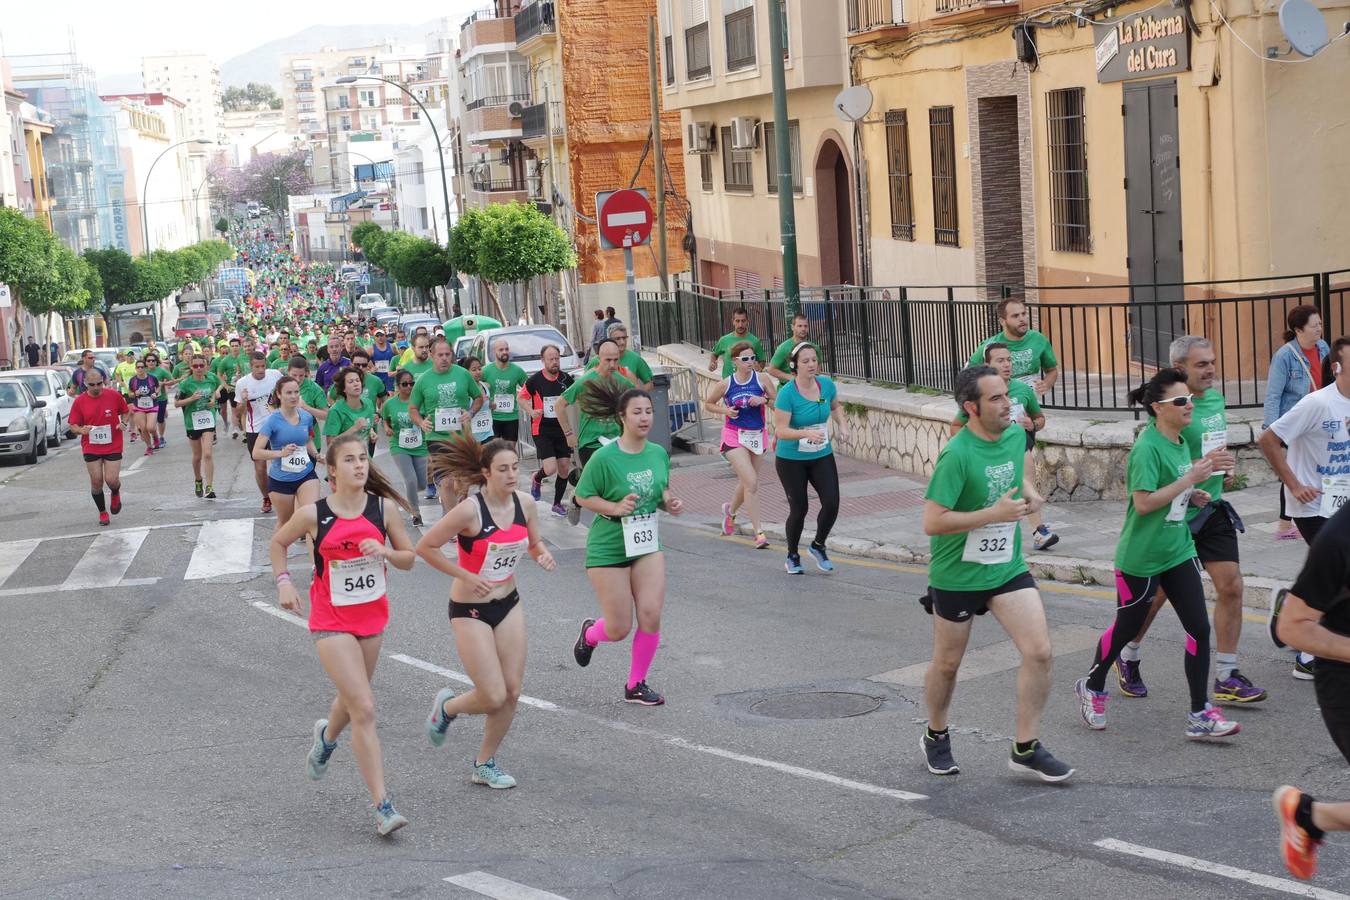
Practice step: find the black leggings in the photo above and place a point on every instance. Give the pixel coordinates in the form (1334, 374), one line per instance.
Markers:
(1135, 595)
(821, 474)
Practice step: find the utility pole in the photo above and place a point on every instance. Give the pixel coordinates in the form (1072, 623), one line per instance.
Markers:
(787, 221)
(658, 158)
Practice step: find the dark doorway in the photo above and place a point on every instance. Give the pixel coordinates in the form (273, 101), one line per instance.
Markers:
(834, 215)
(1153, 218)
(1001, 194)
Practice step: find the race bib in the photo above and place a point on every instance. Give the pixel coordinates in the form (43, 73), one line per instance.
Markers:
(1335, 493)
(1177, 511)
(500, 562)
(811, 445)
(100, 434)
(295, 462)
(641, 534)
(482, 420)
(410, 438)
(203, 420)
(1016, 411)
(1213, 440)
(382, 367)
(550, 407)
(355, 581)
(448, 419)
(145, 402)
(990, 545)
(751, 439)
(504, 403)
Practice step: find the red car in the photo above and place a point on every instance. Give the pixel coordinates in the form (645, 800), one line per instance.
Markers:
(196, 325)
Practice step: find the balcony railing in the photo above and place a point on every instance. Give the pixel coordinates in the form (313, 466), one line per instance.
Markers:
(497, 100)
(946, 7)
(534, 20)
(535, 121)
(864, 15)
(493, 185)
(502, 9)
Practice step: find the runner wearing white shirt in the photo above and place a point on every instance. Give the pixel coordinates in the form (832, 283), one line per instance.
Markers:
(253, 392)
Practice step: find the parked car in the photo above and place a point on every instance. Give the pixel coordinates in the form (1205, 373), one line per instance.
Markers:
(385, 316)
(526, 342)
(105, 358)
(366, 302)
(409, 322)
(23, 426)
(49, 386)
(197, 325)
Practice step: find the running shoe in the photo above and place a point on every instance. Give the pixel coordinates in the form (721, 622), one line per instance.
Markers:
(149, 451)
(387, 819)
(320, 752)
(640, 693)
(103, 519)
(1043, 539)
(573, 513)
(115, 504)
(1091, 705)
(822, 561)
(1303, 667)
(1236, 688)
(1276, 607)
(197, 487)
(1209, 724)
(794, 564)
(1131, 682)
(488, 773)
(210, 492)
(728, 519)
(536, 488)
(438, 721)
(417, 521)
(431, 492)
(1298, 848)
(581, 651)
(937, 754)
(1288, 534)
(559, 510)
(1041, 763)
(133, 436)
(267, 504)
(159, 444)
(761, 541)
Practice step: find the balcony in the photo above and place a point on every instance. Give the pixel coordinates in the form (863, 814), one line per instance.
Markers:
(954, 7)
(536, 121)
(535, 21)
(491, 122)
(484, 191)
(497, 100)
(868, 15)
(494, 27)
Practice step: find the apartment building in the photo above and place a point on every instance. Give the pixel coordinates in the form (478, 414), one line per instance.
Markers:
(194, 80)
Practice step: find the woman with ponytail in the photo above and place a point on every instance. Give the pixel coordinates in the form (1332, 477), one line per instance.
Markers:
(355, 532)
(485, 615)
(625, 483)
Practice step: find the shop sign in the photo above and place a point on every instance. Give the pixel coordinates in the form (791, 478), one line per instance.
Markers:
(1153, 42)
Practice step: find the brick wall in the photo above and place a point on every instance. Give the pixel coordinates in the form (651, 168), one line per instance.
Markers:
(999, 189)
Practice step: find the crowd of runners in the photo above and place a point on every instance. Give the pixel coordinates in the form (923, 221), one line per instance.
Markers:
(309, 394)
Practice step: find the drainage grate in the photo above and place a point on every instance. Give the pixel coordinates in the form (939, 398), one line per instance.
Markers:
(816, 705)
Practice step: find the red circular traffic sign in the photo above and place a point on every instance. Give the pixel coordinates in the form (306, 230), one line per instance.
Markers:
(626, 220)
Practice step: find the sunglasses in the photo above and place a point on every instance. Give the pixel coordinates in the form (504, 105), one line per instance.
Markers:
(1179, 402)
(199, 365)
(746, 358)
(360, 365)
(405, 384)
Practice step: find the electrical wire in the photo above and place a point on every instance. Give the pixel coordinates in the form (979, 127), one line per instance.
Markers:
(1272, 59)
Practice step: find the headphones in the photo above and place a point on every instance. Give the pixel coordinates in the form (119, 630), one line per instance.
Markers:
(792, 361)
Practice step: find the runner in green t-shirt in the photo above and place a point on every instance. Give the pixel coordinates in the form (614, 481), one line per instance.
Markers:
(778, 365)
(1032, 354)
(592, 433)
(1156, 550)
(196, 397)
(312, 398)
(972, 516)
(353, 413)
(445, 398)
(407, 442)
(504, 379)
(419, 362)
(226, 368)
(740, 331)
(631, 364)
(625, 484)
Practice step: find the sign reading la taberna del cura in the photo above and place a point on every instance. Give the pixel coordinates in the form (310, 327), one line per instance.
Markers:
(1155, 41)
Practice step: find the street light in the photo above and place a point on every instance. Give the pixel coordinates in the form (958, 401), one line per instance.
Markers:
(145, 206)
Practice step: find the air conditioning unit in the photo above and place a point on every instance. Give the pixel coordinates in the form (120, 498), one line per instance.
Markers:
(745, 133)
(531, 168)
(515, 109)
(702, 137)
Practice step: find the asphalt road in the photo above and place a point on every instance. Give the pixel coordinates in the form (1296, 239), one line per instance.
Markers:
(157, 712)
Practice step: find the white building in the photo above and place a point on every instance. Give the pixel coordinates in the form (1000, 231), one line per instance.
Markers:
(165, 185)
(194, 79)
(253, 132)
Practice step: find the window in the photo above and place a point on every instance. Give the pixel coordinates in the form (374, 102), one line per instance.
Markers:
(942, 136)
(1069, 221)
(705, 170)
(740, 32)
(782, 17)
(426, 220)
(697, 52)
(898, 174)
(365, 97)
(771, 155)
(668, 53)
(737, 168)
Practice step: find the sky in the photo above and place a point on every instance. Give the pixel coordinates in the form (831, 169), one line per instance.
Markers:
(113, 35)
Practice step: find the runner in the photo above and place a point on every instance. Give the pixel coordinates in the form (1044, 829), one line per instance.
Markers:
(544, 388)
(407, 442)
(443, 402)
(1156, 550)
(143, 389)
(166, 382)
(591, 434)
(1214, 527)
(286, 442)
(631, 364)
(312, 398)
(1033, 359)
(742, 398)
(196, 396)
(625, 483)
(348, 603)
(123, 372)
(254, 393)
(352, 413)
(485, 614)
(724, 348)
(382, 360)
(480, 426)
(81, 372)
(971, 517)
(1313, 465)
(503, 379)
(373, 391)
(226, 368)
(803, 410)
(96, 415)
(334, 363)
(778, 366)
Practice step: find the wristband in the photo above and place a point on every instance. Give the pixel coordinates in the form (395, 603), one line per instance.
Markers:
(283, 577)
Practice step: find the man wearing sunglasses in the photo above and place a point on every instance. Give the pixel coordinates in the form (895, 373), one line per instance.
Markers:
(197, 397)
(94, 416)
(740, 331)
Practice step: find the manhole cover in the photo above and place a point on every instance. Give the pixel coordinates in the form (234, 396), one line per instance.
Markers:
(815, 705)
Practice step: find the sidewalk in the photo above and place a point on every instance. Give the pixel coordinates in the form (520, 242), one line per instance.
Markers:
(881, 511)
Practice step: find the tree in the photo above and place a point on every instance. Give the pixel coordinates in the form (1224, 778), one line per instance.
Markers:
(154, 279)
(510, 242)
(222, 225)
(363, 231)
(254, 95)
(420, 263)
(24, 254)
(65, 288)
(117, 275)
(256, 179)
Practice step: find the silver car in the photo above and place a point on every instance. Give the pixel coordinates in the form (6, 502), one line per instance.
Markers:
(49, 386)
(526, 342)
(23, 427)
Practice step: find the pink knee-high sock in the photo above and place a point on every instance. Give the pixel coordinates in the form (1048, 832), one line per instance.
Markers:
(644, 651)
(595, 635)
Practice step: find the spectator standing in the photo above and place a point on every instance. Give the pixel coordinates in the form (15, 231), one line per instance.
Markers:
(1295, 372)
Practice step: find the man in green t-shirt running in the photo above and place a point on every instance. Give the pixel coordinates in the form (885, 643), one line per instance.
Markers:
(778, 366)
(631, 365)
(740, 331)
(504, 379)
(973, 521)
(590, 434)
(1033, 359)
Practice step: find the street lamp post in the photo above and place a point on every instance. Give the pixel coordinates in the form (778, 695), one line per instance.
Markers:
(145, 207)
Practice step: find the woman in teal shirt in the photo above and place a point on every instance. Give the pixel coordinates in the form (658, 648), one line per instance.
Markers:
(807, 418)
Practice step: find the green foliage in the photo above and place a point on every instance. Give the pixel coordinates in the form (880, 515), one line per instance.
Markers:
(65, 287)
(155, 280)
(509, 242)
(363, 232)
(222, 225)
(254, 95)
(117, 274)
(465, 239)
(25, 254)
(420, 263)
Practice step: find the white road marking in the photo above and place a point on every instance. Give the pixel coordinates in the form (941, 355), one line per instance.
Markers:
(106, 560)
(222, 548)
(55, 588)
(135, 467)
(12, 556)
(465, 679)
(1201, 865)
(999, 657)
(280, 613)
(103, 531)
(499, 888)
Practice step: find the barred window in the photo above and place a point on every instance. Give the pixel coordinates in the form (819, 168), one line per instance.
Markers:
(737, 167)
(942, 135)
(1069, 214)
(771, 155)
(899, 176)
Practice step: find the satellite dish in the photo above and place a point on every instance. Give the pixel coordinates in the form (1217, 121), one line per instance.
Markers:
(1303, 26)
(854, 103)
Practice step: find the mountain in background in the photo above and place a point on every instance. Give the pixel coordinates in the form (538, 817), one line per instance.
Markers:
(263, 63)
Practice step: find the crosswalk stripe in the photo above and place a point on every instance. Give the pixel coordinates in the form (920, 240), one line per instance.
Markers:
(999, 657)
(222, 548)
(12, 555)
(107, 560)
(499, 888)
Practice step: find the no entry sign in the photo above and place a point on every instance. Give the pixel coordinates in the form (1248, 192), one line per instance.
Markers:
(625, 218)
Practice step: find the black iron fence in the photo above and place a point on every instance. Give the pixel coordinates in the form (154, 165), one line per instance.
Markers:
(1108, 338)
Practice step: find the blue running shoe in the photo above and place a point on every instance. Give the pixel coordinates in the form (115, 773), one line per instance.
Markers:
(794, 564)
(536, 487)
(488, 773)
(438, 721)
(320, 752)
(387, 819)
(822, 561)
